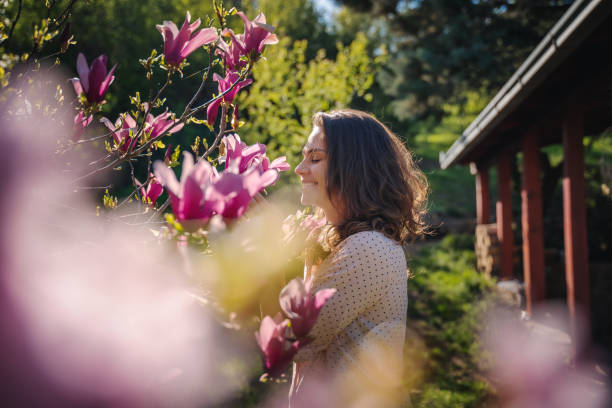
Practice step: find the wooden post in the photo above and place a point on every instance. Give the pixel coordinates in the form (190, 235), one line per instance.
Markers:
(531, 217)
(574, 226)
(483, 196)
(503, 210)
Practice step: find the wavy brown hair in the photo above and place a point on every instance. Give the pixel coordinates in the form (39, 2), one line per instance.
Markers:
(371, 178)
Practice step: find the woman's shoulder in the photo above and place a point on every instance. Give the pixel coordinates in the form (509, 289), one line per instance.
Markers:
(370, 252)
(371, 242)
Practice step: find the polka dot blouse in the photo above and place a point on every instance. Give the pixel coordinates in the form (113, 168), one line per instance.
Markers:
(369, 272)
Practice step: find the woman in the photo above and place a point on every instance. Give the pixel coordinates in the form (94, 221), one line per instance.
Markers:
(373, 196)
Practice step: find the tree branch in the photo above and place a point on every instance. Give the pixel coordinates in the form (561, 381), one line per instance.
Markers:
(204, 82)
(131, 154)
(10, 34)
(222, 126)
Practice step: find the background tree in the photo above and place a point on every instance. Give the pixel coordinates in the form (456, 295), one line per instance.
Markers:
(289, 89)
(442, 48)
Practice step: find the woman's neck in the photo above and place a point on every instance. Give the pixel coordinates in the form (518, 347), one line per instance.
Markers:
(332, 216)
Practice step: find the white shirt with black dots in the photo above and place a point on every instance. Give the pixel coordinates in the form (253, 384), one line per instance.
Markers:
(369, 307)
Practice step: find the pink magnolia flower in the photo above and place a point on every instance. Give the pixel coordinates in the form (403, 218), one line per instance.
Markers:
(280, 164)
(225, 84)
(235, 191)
(531, 366)
(121, 131)
(276, 350)
(231, 55)
(190, 198)
(301, 306)
(152, 191)
(311, 223)
(168, 154)
(80, 123)
(179, 44)
(93, 82)
(256, 35)
(239, 155)
(159, 124)
(233, 196)
(202, 192)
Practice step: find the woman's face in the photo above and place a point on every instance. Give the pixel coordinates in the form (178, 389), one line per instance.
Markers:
(313, 172)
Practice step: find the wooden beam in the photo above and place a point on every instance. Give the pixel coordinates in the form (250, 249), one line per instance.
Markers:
(483, 196)
(531, 217)
(574, 225)
(503, 210)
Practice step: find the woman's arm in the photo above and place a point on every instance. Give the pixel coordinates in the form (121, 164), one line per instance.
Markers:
(357, 272)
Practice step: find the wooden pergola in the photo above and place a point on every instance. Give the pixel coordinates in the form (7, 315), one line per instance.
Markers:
(561, 92)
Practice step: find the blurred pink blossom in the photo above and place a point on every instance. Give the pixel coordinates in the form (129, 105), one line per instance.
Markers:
(532, 366)
(276, 351)
(84, 328)
(242, 157)
(179, 44)
(280, 164)
(93, 82)
(235, 191)
(80, 123)
(203, 192)
(311, 223)
(302, 306)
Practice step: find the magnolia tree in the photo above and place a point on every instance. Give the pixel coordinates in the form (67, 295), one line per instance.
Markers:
(216, 186)
(202, 191)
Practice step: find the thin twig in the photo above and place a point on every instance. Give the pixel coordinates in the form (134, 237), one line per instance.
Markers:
(147, 111)
(133, 214)
(99, 160)
(94, 138)
(10, 34)
(64, 14)
(150, 73)
(204, 82)
(160, 210)
(219, 135)
(51, 8)
(94, 188)
(145, 146)
(127, 199)
(50, 56)
(205, 105)
(135, 181)
(195, 73)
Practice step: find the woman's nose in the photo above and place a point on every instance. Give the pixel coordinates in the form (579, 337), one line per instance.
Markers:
(300, 168)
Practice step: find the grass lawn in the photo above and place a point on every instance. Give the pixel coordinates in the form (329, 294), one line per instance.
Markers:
(447, 300)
